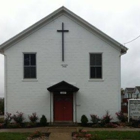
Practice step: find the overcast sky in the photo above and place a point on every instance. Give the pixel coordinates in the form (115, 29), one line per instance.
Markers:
(120, 19)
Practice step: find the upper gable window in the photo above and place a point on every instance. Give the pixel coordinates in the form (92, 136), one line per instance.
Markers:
(30, 65)
(96, 66)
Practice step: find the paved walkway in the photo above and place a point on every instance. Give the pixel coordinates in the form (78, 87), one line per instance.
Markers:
(64, 133)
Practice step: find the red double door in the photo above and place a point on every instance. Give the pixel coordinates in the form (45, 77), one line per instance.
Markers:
(63, 108)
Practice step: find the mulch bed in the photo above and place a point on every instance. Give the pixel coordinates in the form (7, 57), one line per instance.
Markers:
(44, 137)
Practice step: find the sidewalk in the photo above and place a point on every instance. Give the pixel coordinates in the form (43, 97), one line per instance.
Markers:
(65, 129)
(61, 133)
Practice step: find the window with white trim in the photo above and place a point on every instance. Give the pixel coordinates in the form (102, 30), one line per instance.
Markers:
(96, 66)
(29, 65)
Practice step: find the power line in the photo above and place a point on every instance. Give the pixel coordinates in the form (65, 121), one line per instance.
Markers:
(132, 40)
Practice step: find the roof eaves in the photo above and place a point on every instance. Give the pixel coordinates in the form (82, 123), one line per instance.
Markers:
(12, 40)
(51, 16)
(1, 51)
(122, 47)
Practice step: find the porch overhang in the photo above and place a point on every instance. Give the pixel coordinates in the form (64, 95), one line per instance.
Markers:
(63, 87)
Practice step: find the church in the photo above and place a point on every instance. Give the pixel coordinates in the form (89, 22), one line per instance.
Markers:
(62, 67)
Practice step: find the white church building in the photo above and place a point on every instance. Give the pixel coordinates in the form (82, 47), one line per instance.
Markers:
(62, 67)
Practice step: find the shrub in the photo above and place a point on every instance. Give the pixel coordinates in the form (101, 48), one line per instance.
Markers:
(33, 118)
(2, 106)
(84, 120)
(36, 134)
(43, 120)
(95, 119)
(121, 116)
(8, 118)
(18, 117)
(81, 135)
(106, 118)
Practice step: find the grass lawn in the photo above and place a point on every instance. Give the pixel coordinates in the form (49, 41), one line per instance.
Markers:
(13, 136)
(102, 135)
(120, 135)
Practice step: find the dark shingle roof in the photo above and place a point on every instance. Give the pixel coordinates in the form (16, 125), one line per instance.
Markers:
(130, 90)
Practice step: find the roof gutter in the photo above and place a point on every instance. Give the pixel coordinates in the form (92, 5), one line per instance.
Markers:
(1, 51)
(123, 49)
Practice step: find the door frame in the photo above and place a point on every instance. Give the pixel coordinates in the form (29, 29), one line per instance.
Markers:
(58, 94)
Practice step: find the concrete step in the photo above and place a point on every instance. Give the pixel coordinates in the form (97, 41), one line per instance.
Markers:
(64, 124)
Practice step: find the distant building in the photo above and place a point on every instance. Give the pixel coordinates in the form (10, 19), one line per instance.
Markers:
(137, 92)
(128, 93)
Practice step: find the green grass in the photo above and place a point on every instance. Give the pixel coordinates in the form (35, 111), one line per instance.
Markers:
(13, 136)
(120, 135)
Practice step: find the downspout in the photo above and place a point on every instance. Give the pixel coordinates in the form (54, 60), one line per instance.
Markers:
(50, 107)
(5, 81)
(119, 100)
(75, 108)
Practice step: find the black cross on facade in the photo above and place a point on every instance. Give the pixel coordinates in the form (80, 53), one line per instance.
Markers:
(63, 31)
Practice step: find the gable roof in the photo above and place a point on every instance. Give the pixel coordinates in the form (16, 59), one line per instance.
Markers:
(50, 17)
(138, 87)
(63, 86)
(129, 90)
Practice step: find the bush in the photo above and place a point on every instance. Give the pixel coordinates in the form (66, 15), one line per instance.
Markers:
(84, 120)
(33, 118)
(18, 118)
(95, 119)
(121, 116)
(106, 118)
(81, 135)
(43, 120)
(1, 106)
(36, 134)
(8, 118)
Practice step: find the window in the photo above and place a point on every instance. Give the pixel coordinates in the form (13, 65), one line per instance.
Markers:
(129, 95)
(96, 66)
(30, 65)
